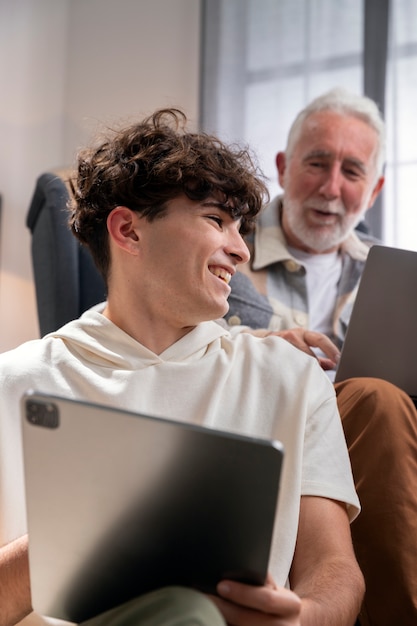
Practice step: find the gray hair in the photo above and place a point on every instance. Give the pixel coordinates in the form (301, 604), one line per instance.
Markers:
(341, 101)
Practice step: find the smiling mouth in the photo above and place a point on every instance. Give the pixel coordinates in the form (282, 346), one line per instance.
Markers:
(326, 215)
(221, 273)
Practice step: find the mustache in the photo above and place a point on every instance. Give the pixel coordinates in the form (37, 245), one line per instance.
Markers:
(333, 207)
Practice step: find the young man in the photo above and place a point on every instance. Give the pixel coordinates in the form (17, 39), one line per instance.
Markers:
(163, 212)
(306, 262)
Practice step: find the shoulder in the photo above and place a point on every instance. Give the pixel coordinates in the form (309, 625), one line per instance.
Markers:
(357, 246)
(247, 305)
(276, 358)
(25, 359)
(22, 352)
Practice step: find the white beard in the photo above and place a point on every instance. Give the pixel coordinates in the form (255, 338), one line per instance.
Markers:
(320, 238)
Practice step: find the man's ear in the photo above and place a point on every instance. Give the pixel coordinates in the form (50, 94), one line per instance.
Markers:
(122, 225)
(281, 164)
(376, 190)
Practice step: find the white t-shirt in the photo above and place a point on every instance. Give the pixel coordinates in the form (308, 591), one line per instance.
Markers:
(323, 273)
(260, 387)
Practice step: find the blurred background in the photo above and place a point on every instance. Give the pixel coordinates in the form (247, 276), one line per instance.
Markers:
(239, 68)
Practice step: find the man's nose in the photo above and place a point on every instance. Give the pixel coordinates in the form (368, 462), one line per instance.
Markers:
(237, 248)
(331, 184)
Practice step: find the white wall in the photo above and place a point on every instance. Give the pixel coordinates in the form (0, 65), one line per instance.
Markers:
(66, 66)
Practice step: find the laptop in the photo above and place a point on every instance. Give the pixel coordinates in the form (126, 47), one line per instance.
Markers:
(120, 503)
(381, 339)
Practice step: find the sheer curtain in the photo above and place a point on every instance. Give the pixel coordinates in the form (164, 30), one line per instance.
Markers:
(263, 60)
(400, 211)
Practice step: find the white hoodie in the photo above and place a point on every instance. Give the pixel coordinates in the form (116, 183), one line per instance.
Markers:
(259, 387)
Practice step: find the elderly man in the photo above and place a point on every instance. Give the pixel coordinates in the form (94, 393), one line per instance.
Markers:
(306, 263)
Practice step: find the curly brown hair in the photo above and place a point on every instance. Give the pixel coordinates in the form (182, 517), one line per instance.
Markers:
(146, 165)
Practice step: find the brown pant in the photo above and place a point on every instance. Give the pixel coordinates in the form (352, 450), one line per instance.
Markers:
(380, 425)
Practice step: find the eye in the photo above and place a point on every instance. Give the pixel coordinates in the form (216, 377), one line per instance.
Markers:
(351, 173)
(217, 219)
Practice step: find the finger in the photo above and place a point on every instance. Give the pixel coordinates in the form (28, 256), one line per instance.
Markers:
(323, 343)
(314, 344)
(235, 615)
(296, 338)
(326, 364)
(279, 602)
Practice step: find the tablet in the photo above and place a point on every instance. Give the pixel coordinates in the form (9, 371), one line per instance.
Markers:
(119, 504)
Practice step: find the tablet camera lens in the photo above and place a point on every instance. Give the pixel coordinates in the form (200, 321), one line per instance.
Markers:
(43, 414)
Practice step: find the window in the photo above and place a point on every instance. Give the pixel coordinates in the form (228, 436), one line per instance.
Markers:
(400, 212)
(265, 59)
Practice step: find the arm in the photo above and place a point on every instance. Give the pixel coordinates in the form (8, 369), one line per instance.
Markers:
(327, 585)
(15, 600)
(324, 573)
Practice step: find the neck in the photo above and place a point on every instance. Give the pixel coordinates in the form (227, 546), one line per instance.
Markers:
(151, 332)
